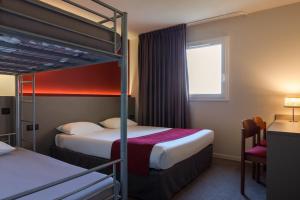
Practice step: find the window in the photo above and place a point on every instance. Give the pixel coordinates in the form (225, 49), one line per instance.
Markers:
(207, 69)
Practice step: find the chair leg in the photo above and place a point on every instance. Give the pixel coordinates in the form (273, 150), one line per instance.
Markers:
(258, 172)
(265, 167)
(253, 170)
(243, 177)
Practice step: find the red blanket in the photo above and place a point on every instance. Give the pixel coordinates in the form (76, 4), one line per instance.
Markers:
(139, 148)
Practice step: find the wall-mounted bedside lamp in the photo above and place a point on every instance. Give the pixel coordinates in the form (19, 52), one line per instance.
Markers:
(292, 102)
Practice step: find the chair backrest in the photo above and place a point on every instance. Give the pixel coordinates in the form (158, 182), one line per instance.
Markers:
(250, 129)
(261, 124)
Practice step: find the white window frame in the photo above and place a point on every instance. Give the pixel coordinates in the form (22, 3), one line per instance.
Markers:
(224, 96)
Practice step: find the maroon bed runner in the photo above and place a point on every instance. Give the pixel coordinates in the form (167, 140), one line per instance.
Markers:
(139, 148)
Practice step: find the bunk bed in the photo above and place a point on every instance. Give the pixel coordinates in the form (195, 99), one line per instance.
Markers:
(36, 37)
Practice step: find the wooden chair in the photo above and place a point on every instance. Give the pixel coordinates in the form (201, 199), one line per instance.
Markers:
(263, 128)
(256, 154)
(260, 141)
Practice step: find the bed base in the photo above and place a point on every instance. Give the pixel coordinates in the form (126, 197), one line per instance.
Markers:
(159, 184)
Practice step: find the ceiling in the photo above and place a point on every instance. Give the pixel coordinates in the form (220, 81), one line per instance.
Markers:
(148, 15)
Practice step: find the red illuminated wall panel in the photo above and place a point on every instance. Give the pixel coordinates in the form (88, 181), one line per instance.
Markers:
(100, 79)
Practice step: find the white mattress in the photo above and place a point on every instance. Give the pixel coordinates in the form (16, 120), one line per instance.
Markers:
(22, 170)
(163, 156)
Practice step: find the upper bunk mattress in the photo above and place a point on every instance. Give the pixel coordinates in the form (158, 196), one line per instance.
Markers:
(21, 15)
(22, 170)
(163, 156)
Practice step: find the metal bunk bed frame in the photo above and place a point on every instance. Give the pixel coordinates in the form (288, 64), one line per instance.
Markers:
(123, 60)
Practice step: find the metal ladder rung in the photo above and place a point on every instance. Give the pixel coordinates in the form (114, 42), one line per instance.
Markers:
(27, 101)
(26, 121)
(23, 82)
(26, 141)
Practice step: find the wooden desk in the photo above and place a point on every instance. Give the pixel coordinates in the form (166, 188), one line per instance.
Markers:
(283, 161)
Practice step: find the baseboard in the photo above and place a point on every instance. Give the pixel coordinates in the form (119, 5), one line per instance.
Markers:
(227, 157)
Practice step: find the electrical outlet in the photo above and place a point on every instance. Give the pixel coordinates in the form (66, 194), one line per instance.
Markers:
(30, 127)
(5, 111)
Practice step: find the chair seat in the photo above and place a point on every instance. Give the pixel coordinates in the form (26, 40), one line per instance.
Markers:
(263, 143)
(258, 151)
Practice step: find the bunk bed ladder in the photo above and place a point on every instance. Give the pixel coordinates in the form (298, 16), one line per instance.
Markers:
(20, 109)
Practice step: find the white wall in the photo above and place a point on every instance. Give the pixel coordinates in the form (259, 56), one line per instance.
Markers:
(133, 69)
(7, 85)
(264, 67)
(133, 66)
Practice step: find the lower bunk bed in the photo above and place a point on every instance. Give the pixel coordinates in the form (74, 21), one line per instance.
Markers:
(23, 170)
(172, 166)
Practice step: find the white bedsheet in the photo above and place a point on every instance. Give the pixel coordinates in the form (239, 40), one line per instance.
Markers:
(163, 156)
(22, 170)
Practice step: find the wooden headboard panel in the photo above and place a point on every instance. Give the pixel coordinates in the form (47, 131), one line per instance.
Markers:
(53, 111)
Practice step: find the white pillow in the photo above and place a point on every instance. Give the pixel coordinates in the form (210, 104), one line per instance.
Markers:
(115, 123)
(5, 148)
(77, 128)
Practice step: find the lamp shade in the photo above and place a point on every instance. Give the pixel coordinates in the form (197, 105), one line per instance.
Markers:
(293, 102)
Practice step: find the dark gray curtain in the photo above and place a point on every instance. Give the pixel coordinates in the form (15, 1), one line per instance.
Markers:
(163, 91)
